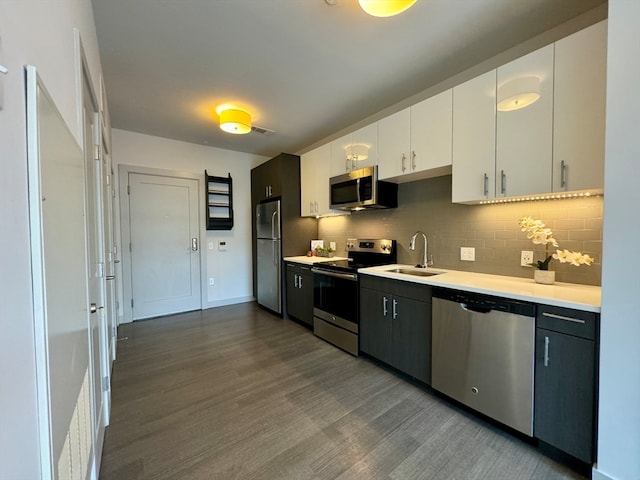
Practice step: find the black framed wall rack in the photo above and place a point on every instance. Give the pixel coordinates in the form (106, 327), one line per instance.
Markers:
(219, 202)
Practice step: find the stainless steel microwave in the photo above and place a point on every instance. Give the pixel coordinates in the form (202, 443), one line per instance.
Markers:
(360, 189)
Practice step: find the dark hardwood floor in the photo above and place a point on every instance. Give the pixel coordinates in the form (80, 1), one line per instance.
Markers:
(237, 393)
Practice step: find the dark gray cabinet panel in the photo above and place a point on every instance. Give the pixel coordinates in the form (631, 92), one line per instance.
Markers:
(411, 337)
(396, 329)
(565, 380)
(374, 324)
(300, 292)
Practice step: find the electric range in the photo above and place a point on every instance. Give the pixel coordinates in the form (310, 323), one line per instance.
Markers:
(336, 290)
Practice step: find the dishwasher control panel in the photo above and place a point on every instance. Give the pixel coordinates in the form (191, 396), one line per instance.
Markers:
(482, 303)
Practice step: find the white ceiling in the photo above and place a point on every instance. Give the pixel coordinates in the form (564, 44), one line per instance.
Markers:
(302, 68)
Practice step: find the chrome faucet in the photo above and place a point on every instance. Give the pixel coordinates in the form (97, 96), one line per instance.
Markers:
(412, 246)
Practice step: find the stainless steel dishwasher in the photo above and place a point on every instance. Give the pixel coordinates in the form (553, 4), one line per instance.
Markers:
(483, 354)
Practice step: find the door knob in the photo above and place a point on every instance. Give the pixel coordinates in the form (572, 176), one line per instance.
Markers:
(93, 308)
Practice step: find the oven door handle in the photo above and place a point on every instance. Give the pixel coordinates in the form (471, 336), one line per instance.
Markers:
(345, 276)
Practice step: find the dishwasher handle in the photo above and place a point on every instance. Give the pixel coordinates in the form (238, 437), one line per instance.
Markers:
(470, 307)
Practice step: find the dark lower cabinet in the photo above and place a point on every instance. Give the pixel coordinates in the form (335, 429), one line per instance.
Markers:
(565, 380)
(300, 292)
(375, 328)
(395, 325)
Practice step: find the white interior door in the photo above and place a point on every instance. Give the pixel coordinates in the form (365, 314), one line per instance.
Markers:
(58, 249)
(108, 194)
(164, 244)
(95, 272)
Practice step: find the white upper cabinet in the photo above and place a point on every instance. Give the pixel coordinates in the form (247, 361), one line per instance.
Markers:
(524, 136)
(364, 147)
(474, 139)
(314, 181)
(579, 110)
(355, 150)
(417, 139)
(431, 132)
(394, 144)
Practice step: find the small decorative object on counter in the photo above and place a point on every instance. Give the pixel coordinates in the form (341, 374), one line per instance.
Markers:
(546, 277)
(540, 235)
(324, 251)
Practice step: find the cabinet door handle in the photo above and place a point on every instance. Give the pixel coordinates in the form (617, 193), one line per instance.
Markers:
(503, 182)
(402, 159)
(563, 174)
(486, 185)
(413, 160)
(295, 280)
(546, 351)
(395, 311)
(384, 306)
(299, 281)
(562, 317)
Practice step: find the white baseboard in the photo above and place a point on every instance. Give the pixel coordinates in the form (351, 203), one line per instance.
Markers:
(598, 475)
(228, 301)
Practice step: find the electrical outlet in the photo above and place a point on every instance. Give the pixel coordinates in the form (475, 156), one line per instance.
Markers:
(211, 281)
(468, 254)
(526, 258)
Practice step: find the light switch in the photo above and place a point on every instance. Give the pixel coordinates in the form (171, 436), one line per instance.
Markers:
(210, 245)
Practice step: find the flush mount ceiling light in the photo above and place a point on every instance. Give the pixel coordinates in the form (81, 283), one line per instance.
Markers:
(385, 8)
(234, 120)
(357, 151)
(518, 93)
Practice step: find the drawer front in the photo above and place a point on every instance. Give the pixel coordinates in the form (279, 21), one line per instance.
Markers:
(398, 288)
(566, 320)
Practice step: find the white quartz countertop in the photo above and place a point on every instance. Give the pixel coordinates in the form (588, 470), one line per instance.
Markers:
(311, 260)
(569, 295)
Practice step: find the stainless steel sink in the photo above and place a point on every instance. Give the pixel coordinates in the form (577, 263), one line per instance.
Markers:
(415, 272)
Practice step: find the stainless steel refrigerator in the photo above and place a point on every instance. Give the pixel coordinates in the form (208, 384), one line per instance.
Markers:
(269, 255)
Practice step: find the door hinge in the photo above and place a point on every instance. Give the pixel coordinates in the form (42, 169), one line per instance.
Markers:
(108, 179)
(130, 247)
(132, 303)
(96, 152)
(128, 189)
(105, 383)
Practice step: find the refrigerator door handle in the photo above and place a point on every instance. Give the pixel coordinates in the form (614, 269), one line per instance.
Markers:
(273, 224)
(275, 252)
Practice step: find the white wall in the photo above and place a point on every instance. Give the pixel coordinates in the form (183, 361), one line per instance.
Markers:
(41, 34)
(231, 269)
(619, 410)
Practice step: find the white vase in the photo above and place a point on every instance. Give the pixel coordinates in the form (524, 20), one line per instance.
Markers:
(546, 277)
